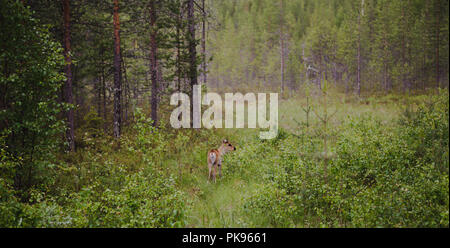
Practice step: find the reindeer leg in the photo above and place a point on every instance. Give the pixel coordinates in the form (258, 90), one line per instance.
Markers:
(214, 174)
(220, 170)
(209, 174)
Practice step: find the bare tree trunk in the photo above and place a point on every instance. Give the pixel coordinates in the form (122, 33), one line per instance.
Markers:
(98, 88)
(117, 73)
(358, 72)
(424, 58)
(192, 45)
(282, 45)
(438, 30)
(192, 54)
(218, 75)
(153, 64)
(385, 66)
(319, 73)
(103, 89)
(204, 42)
(403, 56)
(68, 71)
(126, 94)
(180, 18)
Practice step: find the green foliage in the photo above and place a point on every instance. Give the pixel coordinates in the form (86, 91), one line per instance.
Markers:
(426, 131)
(145, 200)
(383, 175)
(396, 43)
(381, 170)
(90, 131)
(100, 186)
(30, 78)
(150, 140)
(270, 205)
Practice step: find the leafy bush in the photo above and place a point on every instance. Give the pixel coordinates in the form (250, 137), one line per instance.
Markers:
(28, 121)
(269, 206)
(143, 201)
(382, 174)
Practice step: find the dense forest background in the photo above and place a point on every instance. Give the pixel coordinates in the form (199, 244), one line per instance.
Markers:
(85, 87)
(360, 46)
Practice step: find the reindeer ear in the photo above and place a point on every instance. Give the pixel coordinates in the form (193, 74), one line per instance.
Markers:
(225, 141)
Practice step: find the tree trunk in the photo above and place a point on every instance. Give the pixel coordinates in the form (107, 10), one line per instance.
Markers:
(103, 89)
(403, 56)
(126, 95)
(179, 26)
(204, 41)
(192, 45)
(192, 55)
(117, 73)
(438, 30)
(282, 45)
(153, 64)
(68, 71)
(98, 87)
(385, 65)
(358, 72)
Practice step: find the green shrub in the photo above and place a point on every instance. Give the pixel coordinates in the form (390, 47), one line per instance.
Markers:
(270, 206)
(143, 201)
(382, 174)
(29, 126)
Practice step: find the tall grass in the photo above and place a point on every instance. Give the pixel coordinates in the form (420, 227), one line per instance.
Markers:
(388, 166)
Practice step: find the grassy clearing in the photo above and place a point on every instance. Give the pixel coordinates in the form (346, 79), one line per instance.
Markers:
(383, 166)
(222, 204)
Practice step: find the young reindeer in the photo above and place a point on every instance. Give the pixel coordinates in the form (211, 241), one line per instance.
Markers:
(215, 158)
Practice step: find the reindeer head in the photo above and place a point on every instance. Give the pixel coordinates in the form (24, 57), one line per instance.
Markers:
(227, 146)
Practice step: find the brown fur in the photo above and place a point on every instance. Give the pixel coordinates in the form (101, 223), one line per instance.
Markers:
(214, 158)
